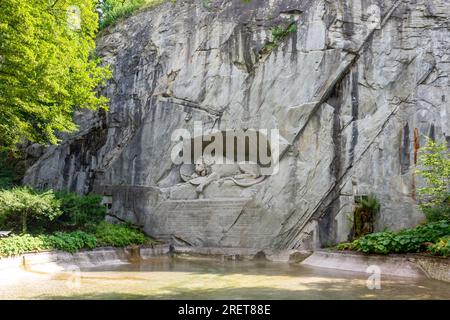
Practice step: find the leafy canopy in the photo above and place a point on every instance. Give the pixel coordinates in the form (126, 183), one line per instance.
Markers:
(79, 212)
(47, 68)
(434, 167)
(112, 10)
(24, 204)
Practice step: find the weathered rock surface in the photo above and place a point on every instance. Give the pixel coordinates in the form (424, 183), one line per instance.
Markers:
(354, 91)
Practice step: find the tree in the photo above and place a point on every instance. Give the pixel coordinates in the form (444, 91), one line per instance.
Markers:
(434, 167)
(111, 10)
(47, 68)
(21, 204)
(79, 212)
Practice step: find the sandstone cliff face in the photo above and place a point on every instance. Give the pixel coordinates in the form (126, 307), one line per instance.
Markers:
(354, 91)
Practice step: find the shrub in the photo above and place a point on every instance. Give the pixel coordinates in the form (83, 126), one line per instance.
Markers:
(15, 245)
(118, 235)
(79, 212)
(405, 241)
(6, 172)
(441, 247)
(434, 167)
(71, 242)
(437, 212)
(382, 242)
(22, 205)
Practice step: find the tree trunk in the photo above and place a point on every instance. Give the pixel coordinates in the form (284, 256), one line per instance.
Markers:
(24, 222)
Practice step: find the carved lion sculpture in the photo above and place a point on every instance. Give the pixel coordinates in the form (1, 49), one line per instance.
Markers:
(207, 170)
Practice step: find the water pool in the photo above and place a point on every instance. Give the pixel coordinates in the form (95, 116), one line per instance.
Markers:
(199, 278)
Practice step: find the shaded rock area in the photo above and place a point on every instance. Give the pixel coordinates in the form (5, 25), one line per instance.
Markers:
(353, 91)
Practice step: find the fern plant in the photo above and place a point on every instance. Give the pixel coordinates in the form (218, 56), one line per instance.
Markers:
(367, 207)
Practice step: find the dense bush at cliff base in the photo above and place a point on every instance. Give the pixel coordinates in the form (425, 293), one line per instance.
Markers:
(432, 237)
(118, 235)
(25, 210)
(105, 235)
(44, 220)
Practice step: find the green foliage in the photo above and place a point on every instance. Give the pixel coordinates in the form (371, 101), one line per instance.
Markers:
(15, 245)
(438, 212)
(369, 203)
(79, 212)
(22, 205)
(434, 168)
(71, 242)
(206, 3)
(105, 235)
(12, 169)
(405, 241)
(278, 34)
(47, 68)
(118, 235)
(23, 208)
(364, 215)
(46, 211)
(346, 246)
(6, 171)
(441, 247)
(112, 10)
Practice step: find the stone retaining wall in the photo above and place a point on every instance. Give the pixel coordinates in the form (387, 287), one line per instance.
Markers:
(416, 266)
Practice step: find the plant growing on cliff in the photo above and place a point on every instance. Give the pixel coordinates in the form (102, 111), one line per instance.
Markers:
(278, 33)
(112, 10)
(366, 209)
(434, 168)
(47, 68)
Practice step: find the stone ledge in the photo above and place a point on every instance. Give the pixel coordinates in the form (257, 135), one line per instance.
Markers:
(39, 261)
(245, 253)
(414, 266)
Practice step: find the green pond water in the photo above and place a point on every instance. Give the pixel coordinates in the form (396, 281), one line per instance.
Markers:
(194, 278)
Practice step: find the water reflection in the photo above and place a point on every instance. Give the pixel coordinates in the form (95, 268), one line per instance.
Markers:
(205, 278)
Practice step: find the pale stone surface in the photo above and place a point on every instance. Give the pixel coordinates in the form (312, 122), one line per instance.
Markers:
(436, 268)
(387, 266)
(410, 265)
(349, 93)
